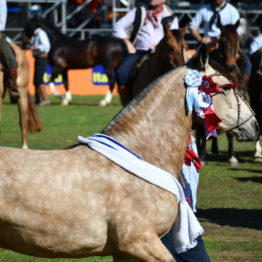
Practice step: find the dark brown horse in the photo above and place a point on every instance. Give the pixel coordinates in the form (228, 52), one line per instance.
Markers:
(230, 57)
(69, 53)
(169, 53)
(29, 119)
(255, 95)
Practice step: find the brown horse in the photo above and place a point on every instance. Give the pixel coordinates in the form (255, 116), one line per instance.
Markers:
(104, 209)
(255, 95)
(68, 53)
(29, 119)
(169, 53)
(228, 55)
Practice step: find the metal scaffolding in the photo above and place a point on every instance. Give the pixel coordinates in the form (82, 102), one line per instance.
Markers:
(84, 18)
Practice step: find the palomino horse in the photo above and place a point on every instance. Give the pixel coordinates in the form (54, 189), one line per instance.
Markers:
(169, 53)
(104, 209)
(29, 118)
(68, 53)
(227, 55)
(255, 95)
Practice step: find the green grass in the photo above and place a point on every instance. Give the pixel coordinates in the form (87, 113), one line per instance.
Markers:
(229, 199)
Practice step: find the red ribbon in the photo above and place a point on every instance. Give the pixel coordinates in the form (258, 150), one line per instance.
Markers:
(211, 119)
(192, 157)
(152, 16)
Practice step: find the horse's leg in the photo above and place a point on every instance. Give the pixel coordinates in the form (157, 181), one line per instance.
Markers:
(214, 146)
(231, 155)
(1, 90)
(22, 104)
(144, 247)
(201, 142)
(68, 96)
(111, 82)
(258, 151)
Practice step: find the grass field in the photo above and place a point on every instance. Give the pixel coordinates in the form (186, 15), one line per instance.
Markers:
(229, 199)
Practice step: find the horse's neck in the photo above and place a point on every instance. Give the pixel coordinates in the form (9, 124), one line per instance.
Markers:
(156, 128)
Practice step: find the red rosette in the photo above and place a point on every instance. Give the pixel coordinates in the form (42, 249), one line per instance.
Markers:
(208, 85)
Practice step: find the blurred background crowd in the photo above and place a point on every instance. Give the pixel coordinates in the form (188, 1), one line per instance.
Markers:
(84, 18)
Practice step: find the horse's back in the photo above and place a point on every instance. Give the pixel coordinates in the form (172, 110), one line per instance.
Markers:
(86, 53)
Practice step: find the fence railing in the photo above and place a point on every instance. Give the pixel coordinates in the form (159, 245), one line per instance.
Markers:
(79, 21)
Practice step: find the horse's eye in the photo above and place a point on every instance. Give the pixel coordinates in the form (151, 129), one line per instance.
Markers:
(225, 87)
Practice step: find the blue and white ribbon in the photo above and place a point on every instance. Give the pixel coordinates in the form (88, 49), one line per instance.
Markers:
(193, 80)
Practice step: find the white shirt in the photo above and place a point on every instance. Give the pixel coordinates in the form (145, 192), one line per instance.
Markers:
(228, 15)
(256, 44)
(148, 36)
(3, 15)
(41, 40)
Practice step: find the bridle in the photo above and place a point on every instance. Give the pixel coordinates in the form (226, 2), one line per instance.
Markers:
(238, 98)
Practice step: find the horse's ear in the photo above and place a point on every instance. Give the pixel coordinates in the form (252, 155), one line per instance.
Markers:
(237, 24)
(200, 60)
(186, 55)
(167, 22)
(184, 24)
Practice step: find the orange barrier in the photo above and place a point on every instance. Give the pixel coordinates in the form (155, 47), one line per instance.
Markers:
(80, 80)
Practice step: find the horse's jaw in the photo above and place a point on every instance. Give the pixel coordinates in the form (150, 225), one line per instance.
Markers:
(248, 131)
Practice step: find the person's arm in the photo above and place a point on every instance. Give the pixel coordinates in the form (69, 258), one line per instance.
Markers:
(196, 35)
(44, 45)
(130, 47)
(121, 27)
(3, 15)
(194, 27)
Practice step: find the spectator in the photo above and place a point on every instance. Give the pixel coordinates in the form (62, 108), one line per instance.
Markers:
(9, 53)
(40, 46)
(146, 34)
(225, 13)
(208, 15)
(257, 41)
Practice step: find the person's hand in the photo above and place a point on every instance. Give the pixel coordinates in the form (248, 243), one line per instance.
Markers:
(130, 47)
(33, 47)
(206, 40)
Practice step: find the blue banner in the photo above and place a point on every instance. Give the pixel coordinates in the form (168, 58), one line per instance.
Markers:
(47, 76)
(99, 76)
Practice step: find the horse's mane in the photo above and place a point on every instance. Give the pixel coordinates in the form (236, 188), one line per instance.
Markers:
(140, 97)
(222, 70)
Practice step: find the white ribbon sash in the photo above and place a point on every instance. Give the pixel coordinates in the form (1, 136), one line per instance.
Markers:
(186, 227)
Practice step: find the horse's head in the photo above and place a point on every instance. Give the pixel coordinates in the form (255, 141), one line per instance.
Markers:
(172, 45)
(229, 44)
(229, 106)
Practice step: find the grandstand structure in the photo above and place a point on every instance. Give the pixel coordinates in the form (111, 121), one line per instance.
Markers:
(84, 18)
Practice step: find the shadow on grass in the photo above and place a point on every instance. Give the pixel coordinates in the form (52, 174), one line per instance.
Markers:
(232, 217)
(255, 179)
(242, 156)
